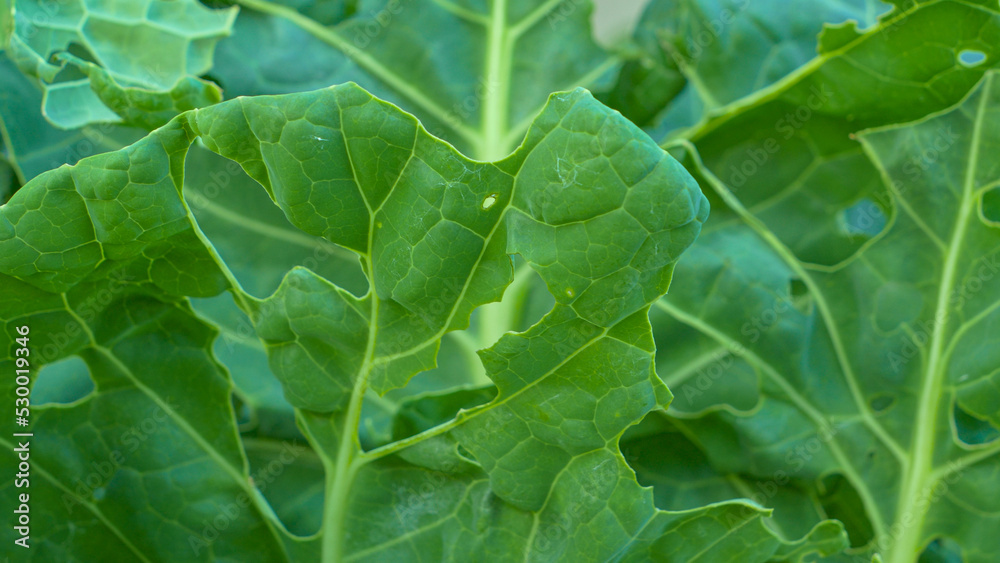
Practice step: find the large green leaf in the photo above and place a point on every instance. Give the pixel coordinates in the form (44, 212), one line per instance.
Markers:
(820, 364)
(474, 74)
(881, 369)
(589, 201)
(142, 50)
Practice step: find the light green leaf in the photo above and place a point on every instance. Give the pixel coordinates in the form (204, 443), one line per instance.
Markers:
(32, 145)
(143, 107)
(151, 45)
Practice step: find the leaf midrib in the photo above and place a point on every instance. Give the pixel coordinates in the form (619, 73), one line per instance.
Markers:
(498, 62)
(920, 467)
(331, 37)
(803, 405)
(497, 137)
(826, 313)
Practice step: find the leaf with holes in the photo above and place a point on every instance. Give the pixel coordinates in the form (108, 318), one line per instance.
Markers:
(830, 336)
(98, 260)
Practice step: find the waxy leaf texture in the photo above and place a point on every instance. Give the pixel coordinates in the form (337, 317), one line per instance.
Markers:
(344, 281)
(589, 201)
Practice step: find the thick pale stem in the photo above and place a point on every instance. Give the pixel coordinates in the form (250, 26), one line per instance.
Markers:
(495, 110)
(919, 477)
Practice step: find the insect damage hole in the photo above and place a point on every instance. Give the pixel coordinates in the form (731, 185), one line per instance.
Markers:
(840, 499)
(990, 207)
(971, 57)
(489, 201)
(62, 383)
(881, 402)
(971, 428)
(799, 296)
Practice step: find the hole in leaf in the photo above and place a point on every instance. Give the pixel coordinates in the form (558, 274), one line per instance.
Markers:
(863, 219)
(971, 57)
(841, 501)
(291, 478)
(81, 52)
(466, 454)
(427, 411)
(71, 72)
(254, 237)
(971, 429)
(797, 288)
(244, 414)
(62, 382)
(798, 293)
(942, 550)
(881, 403)
(990, 206)
(489, 201)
